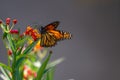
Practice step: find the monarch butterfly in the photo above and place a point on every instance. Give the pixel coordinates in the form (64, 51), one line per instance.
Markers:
(50, 36)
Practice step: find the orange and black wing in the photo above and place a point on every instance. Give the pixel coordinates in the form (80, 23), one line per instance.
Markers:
(52, 26)
(47, 40)
(47, 37)
(50, 36)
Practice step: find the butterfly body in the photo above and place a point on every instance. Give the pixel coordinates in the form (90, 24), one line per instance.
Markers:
(50, 35)
(42, 30)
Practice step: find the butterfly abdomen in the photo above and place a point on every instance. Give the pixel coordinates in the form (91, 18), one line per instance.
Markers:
(66, 35)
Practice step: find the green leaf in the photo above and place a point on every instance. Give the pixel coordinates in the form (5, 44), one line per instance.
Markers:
(50, 74)
(4, 35)
(53, 64)
(19, 51)
(30, 56)
(21, 42)
(30, 47)
(16, 74)
(4, 27)
(12, 45)
(25, 52)
(5, 73)
(6, 67)
(42, 68)
(21, 73)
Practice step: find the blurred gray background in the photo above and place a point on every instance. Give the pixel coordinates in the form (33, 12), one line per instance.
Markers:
(94, 51)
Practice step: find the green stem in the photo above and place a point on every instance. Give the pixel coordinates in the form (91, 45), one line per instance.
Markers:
(14, 67)
(11, 27)
(8, 61)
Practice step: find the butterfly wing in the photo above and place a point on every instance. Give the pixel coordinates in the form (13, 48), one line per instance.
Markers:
(50, 35)
(48, 40)
(52, 26)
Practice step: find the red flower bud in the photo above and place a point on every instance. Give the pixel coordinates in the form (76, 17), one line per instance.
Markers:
(14, 21)
(15, 31)
(8, 21)
(0, 21)
(9, 52)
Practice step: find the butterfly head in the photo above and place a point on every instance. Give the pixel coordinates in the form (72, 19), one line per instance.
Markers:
(41, 29)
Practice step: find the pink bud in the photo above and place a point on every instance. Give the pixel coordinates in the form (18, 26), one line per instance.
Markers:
(7, 21)
(15, 31)
(15, 21)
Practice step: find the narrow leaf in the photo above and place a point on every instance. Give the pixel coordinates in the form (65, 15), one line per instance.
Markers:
(12, 45)
(52, 64)
(4, 35)
(55, 62)
(25, 52)
(42, 68)
(21, 42)
(19, 51)
(50, 74)
(5, 73)
(6, 67)
(30, 47)
(21, 74)
(25, 56)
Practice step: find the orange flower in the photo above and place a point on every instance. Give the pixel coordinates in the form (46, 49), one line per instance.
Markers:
(32, 32)
(37, 46)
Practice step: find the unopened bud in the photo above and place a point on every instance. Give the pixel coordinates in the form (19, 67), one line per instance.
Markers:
(7, 21)
(0, 21)
(14, 21)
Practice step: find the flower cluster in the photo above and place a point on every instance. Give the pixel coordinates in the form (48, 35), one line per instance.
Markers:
(15, 31)
(27, 60)
(28, 72)
(32, 32)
